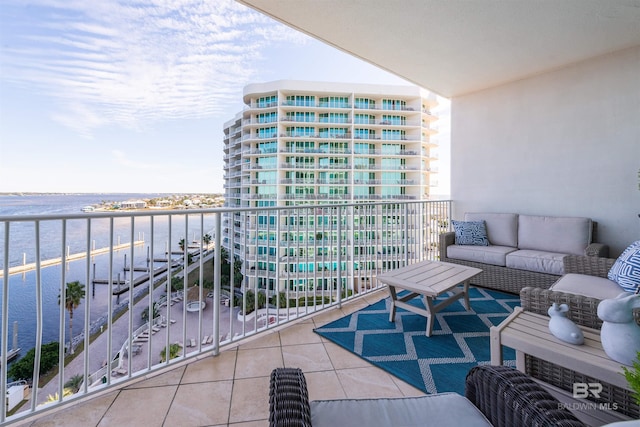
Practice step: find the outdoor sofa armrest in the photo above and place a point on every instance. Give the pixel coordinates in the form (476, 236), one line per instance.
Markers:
(582, 309)
(597, 250)
(446, 239)
(508, 397)
(591, 265)
(288, 399)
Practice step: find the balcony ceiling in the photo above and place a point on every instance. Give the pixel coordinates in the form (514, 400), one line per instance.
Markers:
(455, 47)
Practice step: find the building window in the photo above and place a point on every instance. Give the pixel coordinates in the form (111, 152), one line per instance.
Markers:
(388, 119)
(334, 101)
(270, 147)
(270, 132)
(300, 116)
(365, 103)
(394, 104)
(364, 119)
(392, 134)
(334, 118)
(267, 117)
(364, 134)
(267, 101)
(301, 100)
(299, 131)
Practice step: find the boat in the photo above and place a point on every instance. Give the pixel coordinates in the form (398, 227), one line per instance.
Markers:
(88, 209)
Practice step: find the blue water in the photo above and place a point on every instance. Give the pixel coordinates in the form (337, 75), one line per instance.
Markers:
(22, 296)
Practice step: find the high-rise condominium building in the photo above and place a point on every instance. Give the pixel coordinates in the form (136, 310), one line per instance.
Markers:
(319, 144)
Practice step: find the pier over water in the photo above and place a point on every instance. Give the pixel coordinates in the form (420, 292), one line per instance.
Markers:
(70, 257)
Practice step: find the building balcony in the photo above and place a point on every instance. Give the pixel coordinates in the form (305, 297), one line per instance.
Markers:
(124, 380)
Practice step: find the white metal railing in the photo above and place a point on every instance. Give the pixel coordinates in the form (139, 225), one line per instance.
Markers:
(297, 260)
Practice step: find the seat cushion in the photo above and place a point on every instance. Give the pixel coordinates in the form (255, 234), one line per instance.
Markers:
(443, 409)
(589, 286)
(502, 228)
(495, 255)
(538, 261)
(626, 270)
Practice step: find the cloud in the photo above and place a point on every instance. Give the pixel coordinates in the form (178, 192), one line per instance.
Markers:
(130, 64)
(122, 159)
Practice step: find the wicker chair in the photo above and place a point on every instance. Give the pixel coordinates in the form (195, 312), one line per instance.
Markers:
(504, 395)
(583, 311)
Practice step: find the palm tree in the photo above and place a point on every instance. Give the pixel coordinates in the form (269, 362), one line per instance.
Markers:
(182, 243)
(74, 294)
(74, 383)
(145, 313)
(174, 351)
(206, 239)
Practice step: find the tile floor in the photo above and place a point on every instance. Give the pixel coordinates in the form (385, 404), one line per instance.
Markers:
(232, 389)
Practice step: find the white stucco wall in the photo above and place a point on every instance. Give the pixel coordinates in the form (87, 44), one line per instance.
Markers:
(561, 143)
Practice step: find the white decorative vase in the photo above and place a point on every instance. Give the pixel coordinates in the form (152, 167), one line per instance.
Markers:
(620, 334)
(561, 327)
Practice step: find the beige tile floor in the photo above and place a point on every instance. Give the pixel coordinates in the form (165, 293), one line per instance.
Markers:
(232, 389)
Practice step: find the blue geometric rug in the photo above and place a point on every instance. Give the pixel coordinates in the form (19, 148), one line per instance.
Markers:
(459, 341)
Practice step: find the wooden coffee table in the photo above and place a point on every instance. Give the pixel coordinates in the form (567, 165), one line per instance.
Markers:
(428, 279)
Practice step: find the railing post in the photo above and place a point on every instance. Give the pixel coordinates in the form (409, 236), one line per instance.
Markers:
(217, 285)
(339, 252)
(38, 347)
(5, 324)
(406, 232)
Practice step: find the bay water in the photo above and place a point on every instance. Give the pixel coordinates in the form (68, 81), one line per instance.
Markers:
(22, 292)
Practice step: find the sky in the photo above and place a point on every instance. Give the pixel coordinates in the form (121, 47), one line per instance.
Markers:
(130, 96)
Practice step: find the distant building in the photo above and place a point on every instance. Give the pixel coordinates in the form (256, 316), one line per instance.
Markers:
(310, 143)
(133, 204)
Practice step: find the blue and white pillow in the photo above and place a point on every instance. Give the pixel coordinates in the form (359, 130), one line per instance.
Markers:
(470, 233)
(626, 270)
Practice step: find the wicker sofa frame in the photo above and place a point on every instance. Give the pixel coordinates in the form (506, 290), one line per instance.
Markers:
(507, 279)
(504, 395)
(583, 311)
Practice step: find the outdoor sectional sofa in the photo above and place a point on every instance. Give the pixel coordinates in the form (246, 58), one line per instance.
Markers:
(518, 250)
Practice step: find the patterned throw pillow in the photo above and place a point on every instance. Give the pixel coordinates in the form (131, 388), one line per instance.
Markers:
(626, 270)
(470, 233)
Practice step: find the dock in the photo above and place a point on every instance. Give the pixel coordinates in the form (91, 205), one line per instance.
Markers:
(13, 353)
(71, 257)
(139, 280)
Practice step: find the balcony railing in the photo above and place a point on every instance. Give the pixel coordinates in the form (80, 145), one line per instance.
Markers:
(157, 291)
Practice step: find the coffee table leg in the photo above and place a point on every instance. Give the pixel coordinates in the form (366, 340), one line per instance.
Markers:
(465, 290)
(428, 303)
(394, 297)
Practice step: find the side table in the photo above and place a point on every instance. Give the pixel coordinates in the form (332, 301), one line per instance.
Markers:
(528, 333)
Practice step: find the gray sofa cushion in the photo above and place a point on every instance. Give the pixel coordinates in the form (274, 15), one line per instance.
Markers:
(568, 235)
(540, 261)
(502, 228)
(589, 286)
(495, 255)
(442, 409)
